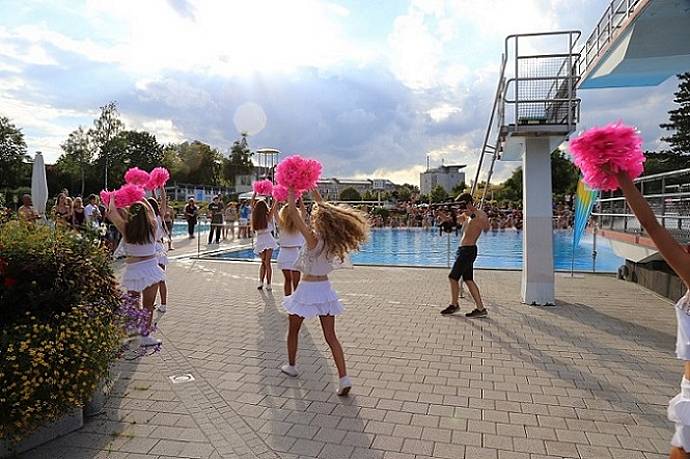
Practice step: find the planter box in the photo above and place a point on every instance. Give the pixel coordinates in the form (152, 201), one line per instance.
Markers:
(96, 405)
(68, 423)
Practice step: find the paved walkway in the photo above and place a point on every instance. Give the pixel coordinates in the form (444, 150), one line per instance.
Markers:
(589, 378)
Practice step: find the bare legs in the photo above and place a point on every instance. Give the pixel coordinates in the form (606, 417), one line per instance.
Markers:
(474, 291)
(455, 289)
(148, 299)
(291, 281)
(328, 327)
(163, 289)
(266, 271)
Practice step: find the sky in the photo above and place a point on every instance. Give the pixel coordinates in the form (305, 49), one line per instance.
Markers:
(369, 87)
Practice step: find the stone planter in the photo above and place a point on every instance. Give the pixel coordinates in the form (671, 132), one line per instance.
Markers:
(96, 405)
(68, 423)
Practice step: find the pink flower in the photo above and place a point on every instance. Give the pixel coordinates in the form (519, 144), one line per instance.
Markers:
(136, 176)
(158, 178)
(298, 173)
(263, 187)
(616, 146)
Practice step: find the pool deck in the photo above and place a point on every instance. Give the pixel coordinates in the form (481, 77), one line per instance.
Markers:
(588, 378)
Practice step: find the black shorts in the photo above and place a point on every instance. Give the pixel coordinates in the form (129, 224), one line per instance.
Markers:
(464, 263)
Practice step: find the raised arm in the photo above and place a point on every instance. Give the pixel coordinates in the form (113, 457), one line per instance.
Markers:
(252, 203)
(306, 231)
(274, 209)
(674, 253)
(115, 217)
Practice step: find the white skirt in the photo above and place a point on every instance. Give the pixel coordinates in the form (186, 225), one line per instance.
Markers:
(264, 241)
(162, 254)
(313, 299)
(142, 274)
(679, 413)
(287, 258)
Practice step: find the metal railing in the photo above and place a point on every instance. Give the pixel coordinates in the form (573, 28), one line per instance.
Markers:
(607, 29)
(537, 93)
(667, 193)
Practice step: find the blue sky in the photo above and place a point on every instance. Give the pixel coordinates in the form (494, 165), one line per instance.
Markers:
(368, 87)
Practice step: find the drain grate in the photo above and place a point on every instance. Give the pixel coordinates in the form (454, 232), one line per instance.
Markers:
(179, 379)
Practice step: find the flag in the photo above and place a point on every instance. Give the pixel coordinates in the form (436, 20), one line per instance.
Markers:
(584, 202)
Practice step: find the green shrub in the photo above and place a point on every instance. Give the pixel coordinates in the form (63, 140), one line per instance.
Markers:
(59, 323)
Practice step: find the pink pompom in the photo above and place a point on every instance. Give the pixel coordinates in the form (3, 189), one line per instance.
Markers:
(298, 173)
(263, 187)
(105, 197)
(280, 193)
(136, 176)
(617, 146)
(159, 176)
(128, 194)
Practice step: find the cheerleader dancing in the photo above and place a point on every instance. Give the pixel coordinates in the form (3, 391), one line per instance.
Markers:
(290, 241)
(334, 231)
(610, 157)
(265, 244)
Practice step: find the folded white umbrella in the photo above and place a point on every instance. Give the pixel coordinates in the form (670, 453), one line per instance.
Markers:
(39, 186)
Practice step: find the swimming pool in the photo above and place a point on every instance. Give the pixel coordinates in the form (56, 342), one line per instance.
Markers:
(497, 250)
(180, 228)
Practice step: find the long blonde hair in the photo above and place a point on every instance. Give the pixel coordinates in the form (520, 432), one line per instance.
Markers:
(286, 220)
(341, 228)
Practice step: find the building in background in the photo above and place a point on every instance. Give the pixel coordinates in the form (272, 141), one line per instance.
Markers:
(448, 177)
(330, 188)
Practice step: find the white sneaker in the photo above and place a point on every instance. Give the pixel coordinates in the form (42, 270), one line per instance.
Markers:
(148, 341)
(344, 386)
(162, 308)
(289, 370)
(269, 288)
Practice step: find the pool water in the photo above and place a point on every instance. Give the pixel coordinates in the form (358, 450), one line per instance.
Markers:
(180, 228)
(497, 250)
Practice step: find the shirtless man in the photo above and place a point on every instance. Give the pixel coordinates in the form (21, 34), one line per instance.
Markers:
(475, 221)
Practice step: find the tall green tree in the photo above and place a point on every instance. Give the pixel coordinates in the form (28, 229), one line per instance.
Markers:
(105, 128)
(239, 162)
(350, 194)
(77, 157)
(199, 163)
(679, 118)
(564, 174)
(130, 149)
(438, 194)
(12, 155)
(459, 189)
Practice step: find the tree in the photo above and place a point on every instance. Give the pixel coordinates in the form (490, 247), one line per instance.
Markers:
(459, 189)
(105, 128)
(350, 194)
(200, 164)
(239, 162)
(679, 118)
(438, 194)
(130, 149)
(12, 155)
(78, 151)
(564, 174)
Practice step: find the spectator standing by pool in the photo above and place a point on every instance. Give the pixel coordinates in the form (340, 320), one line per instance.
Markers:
(78, 216)
(62, 212)
(191, 213)
(230, 219)
(91, 212)
(245, 214)
(475, 220)
(27, 212)
(215, 214)
(169, 220)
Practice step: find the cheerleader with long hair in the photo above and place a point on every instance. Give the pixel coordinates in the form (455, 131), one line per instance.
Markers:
(291, 242)
(265, 244)
(333, 232)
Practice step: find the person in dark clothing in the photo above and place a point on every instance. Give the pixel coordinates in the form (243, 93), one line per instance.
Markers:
(191, 213)
(215, 214)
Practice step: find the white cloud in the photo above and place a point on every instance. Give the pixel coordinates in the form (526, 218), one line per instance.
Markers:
(442, 112)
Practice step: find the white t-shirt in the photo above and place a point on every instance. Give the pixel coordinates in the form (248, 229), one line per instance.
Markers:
(90, 214)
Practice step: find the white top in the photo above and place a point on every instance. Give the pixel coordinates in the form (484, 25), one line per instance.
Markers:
(160, 229)
(288, 239)
(89, 216)
(315, 262)
(683, 335)
(139, 250)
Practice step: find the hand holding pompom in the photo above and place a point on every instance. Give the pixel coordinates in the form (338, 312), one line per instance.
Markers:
(136, 176)
(158, 178)
(281, 193)
(603, 152)
(263, 187)
(299, 173)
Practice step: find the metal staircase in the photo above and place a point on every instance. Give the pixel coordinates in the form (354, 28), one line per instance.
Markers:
(535, 96)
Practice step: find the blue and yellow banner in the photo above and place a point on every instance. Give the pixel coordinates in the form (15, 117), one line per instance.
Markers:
(584, 202)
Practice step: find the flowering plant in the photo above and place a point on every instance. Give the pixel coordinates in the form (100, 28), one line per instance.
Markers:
(60, 324)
